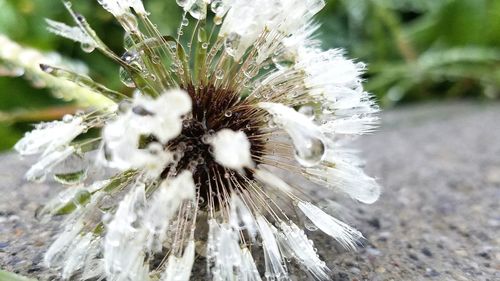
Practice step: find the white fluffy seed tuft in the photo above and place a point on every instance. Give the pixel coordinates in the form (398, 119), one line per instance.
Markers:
(344, 234)
(161, 117)
(163, 207)
(120, 7)
(179, 269)
(307, 138)
(274, 264)
(74, 33)
(232, 149)
(48, 137)
(40, 169)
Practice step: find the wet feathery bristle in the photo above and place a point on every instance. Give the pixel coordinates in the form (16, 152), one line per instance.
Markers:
(223, 118)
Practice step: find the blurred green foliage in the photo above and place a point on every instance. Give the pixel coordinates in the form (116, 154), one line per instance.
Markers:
(415, 49)
(420, 49)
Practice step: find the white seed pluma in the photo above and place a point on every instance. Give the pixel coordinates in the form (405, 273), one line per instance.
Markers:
(205, 150)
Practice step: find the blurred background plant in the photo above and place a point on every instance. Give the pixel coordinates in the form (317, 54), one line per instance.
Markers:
(416, 50)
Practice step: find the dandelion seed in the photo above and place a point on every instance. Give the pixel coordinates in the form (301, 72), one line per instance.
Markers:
(195, 150)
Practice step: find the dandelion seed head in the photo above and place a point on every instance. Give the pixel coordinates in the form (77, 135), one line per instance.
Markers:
(203, 151)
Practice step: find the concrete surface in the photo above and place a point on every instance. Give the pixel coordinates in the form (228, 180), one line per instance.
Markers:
(438, 218)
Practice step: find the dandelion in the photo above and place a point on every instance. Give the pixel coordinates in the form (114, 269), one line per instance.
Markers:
(224, 116)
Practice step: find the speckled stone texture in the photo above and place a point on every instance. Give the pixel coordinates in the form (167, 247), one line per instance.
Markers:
(438, 217)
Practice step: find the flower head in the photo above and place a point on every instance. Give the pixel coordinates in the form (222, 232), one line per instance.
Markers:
(217, 114)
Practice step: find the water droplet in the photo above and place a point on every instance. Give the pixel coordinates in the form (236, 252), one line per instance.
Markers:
(38, 178)
(219, 74)
(87, 47)
(124, 106)
(251, 70)
(204, 45)
(126, 79)
(81, 197)
(67, 118)
(71, 178)
(141, 111)
(272, 124)
(228, 113)
(218, 7)
(310, 226)
(155, 59)
(129, 22)
(176, 156)
(128, 42)
(206, 138)
(307, 110)
(185, 22)
(232, 42)
(202, 35)
(155, 148)
(182, 3)
(361, 66)
(198, 10)
(217, 20)
(130, 57)
(310, 151)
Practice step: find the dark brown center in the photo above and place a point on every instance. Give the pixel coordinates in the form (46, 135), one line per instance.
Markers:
(213, 110)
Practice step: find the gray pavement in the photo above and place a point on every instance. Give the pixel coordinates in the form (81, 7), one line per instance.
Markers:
(438, 217)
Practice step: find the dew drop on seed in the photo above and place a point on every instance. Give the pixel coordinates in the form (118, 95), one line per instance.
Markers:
(81, 197)
(231, 43)
(217, 20)
(87, 47)
(198, 10)
(125, 78)
(272, 124)
(202, 35)
(206, 138)
(128, 42)
(155, 59)
(307, 110)
(310, 226)
(71, 178)
(67, 118)
(124, 106)
(217, 7)
(130, 57)
(310, 151)
(219, 74)
(182, 3)
(129, 21)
